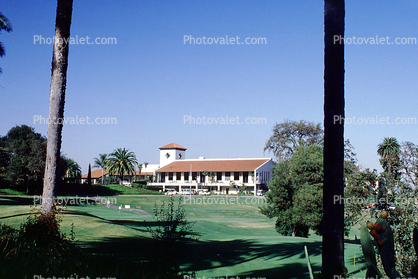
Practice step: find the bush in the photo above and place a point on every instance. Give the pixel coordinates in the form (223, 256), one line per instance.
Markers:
(171, 236)
(140, 184)
(38, 247)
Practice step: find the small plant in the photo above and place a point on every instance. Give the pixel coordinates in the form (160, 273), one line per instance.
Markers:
(171, 236)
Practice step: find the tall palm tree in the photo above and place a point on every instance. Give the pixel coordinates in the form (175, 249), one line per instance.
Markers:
(101, 162)
(56, 102)
(389, 151)
(73, 169)
(4, 25)
(122, 161)
(333, 219)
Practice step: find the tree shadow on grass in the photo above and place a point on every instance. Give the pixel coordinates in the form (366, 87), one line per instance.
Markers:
(286, 259)
(204, 255)
(15, 200)
(139, 225)
(207, 255)
(133, 248)
(15, 215)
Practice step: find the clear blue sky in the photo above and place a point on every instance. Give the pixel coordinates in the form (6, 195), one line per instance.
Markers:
(150, 79)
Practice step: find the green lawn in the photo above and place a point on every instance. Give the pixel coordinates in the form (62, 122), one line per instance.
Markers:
(234, 239)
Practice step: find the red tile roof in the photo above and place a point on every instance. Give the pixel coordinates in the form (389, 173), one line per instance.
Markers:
(173, 145)
(214, 165)
(95, 174)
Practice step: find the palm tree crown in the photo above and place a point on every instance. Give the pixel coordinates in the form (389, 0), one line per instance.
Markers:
(101, 162)
(73, 169)
(388, 148)
(388, 151)
(121, 161)
(4, 25)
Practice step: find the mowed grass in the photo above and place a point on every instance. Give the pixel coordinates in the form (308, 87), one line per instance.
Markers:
(233, 237)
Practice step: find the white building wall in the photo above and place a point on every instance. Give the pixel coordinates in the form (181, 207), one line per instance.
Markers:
(150, 168)
(265, 172)
(168, 156)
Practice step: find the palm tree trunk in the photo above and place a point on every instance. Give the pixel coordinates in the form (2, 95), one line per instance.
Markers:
(56, 101)
(333, 222)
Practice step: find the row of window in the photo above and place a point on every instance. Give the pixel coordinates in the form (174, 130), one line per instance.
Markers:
(218, 176)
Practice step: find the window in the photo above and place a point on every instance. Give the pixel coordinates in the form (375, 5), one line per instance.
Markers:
(170, 176)
(167, 155)
(162, 177)
(194, 175)
(178, 176)
(236, 175)
(219, 176)
(186, 176)
(245, 177)
(180, 155)
(227, 175)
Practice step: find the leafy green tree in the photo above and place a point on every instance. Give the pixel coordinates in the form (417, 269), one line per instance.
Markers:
(289, 135)
(350, 160)
(4, 157)
(122, 161)
(101, 162)
(295, 195)
(360, 188)
(404, 219)
(405, 215)
(409, 163)
(4, 25)
(333, 220)
(24, 157)
(56, 102)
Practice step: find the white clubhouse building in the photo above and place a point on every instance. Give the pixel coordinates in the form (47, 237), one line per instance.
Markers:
(224, 176)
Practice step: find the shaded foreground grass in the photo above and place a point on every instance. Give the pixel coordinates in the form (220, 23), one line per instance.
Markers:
(233, 239)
